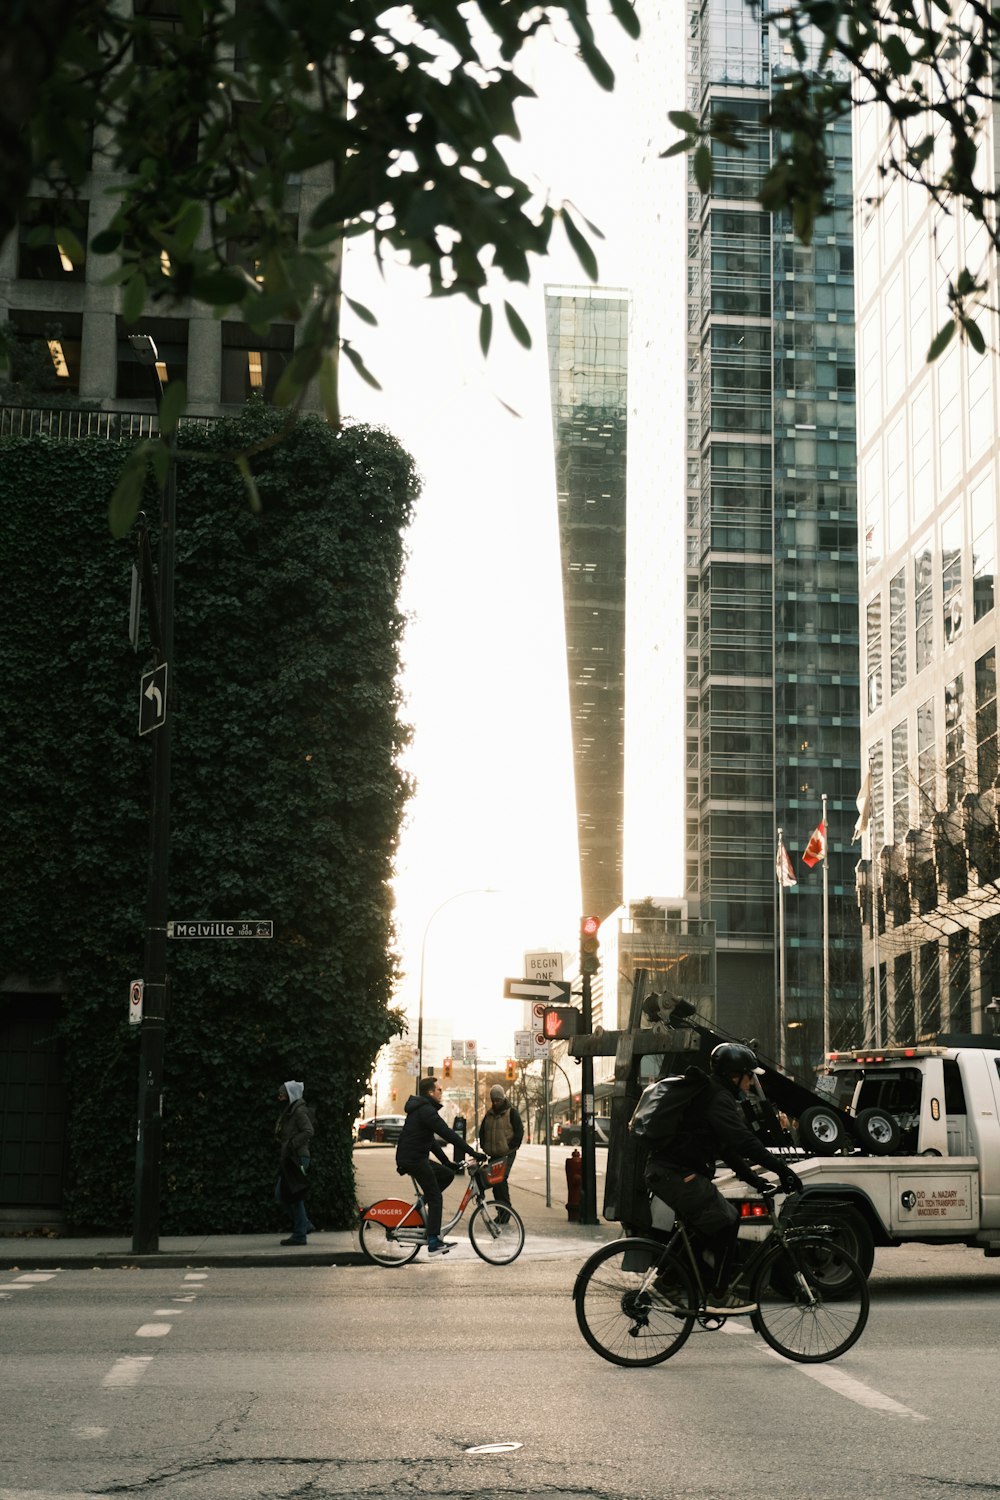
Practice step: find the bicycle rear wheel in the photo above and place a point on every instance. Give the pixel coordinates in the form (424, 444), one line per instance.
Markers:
(497, 1233)
(796, 1313)
(381, 1246)
(624, 1324)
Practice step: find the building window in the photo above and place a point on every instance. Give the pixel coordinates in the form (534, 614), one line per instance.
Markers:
(959, 983)
(951, 576)
(874, 640)
(930, 991)
(926, 762)
(44, 255)
(897, 632)
(900, 783)
(923, 610)
(45, 357)
(252, 362)
(135, 381)
(954, 741)
(983, 549)
(986, 719)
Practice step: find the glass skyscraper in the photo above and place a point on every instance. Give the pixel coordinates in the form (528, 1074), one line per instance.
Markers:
(587, 333)
(771, 658)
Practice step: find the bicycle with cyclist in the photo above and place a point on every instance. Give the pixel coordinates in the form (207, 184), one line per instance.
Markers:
(419, 1140)
(680, 1172)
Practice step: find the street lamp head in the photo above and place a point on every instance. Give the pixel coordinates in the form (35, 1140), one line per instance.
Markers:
(145, 349)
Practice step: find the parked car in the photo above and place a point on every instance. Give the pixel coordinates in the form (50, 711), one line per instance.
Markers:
(569, 1135)
(390, 1127)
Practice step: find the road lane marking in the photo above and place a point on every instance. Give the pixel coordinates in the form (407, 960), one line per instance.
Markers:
(169, 1312)
(126, 1371)
(15, 1286)
(196, 1276)
(37, 1276)
(152, 1330)
(183, 1299)
(88, 1433)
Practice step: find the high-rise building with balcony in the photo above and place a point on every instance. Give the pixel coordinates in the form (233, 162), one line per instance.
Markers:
(929, 450)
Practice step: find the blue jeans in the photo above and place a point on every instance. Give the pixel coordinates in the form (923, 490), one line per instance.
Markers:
(301, 1223)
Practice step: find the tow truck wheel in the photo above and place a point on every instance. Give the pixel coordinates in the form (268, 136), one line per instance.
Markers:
(846, 1229)
(878, 1132)
(821, 1130)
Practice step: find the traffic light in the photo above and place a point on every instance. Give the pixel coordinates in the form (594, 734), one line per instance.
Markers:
(511, 1072)
(446, 1067)
(589, 944)
(394, 1096)
(559, 1022)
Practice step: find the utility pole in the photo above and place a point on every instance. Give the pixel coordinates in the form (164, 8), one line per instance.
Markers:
(589, 943)
(149, 1134)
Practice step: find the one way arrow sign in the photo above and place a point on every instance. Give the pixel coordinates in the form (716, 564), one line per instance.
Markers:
(553, 990)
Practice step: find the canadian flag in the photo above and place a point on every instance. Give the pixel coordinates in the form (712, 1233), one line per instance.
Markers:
(815, 850)
(783, 867)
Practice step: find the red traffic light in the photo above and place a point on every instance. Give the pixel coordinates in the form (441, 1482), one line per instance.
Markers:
(589, 944)
(590, 926)
(559, 1022)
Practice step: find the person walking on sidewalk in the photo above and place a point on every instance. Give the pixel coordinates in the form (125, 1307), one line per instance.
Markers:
(501, 1132)
(418, 1141)
(293, 1133)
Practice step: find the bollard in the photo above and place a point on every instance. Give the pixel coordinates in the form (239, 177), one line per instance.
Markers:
(574, 1183)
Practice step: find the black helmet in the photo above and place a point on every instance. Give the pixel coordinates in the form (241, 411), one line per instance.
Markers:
(732, 1058)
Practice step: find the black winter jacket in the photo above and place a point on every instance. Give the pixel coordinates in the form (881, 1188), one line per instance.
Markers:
(714, 1126)
(419, 1136)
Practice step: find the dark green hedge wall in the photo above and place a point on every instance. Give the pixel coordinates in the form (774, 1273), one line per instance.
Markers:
(287, 799)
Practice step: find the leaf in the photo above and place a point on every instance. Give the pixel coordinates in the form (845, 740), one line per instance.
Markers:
(220, 288)
(106, 242)
(582, 247)
(974, 334)
(67, 240)
(360, 311)
(703, 167)
(684, 144)
(134, 298)
(123, 507)
(683, 121)
(187, 225)
(329, 389)
(359, 365)
(517, 325)
(250, 484)
(896, 55)
(485, 328)
(940, 342)
(624, 14)
(173, 403)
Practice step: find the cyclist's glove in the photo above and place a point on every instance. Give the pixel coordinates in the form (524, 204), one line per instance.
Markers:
(760, 1183)
(790, 1181)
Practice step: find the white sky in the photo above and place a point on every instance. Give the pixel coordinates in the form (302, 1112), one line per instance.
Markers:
(485, 668)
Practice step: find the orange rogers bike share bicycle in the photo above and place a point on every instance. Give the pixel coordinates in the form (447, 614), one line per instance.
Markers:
(393, 1230)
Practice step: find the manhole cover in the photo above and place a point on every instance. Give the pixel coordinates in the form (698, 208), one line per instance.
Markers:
(494, 1448)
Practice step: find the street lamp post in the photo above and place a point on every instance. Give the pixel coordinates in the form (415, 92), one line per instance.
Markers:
(149, 1135)
(479, 890)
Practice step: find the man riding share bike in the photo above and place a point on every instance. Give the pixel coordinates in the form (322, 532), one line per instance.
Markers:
(417, 1143)
(681, 1171)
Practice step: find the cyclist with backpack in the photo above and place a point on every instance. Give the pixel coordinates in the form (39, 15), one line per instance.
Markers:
(703, 1123)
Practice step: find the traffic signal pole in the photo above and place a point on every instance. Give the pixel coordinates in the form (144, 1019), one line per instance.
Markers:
(588, 1154)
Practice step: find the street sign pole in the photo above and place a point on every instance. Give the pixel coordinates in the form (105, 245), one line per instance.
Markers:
(149, 1134)
(548, 1135)
(588, 1193)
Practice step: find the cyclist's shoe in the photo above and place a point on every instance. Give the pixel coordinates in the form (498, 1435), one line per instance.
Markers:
(669, 1292)
(438, 1246)
(729, 1300)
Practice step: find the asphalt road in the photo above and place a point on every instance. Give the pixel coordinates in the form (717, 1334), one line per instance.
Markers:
(267, 1383)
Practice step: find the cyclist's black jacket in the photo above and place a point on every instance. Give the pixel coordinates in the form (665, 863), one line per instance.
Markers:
(418, 1138)
(713, 1126)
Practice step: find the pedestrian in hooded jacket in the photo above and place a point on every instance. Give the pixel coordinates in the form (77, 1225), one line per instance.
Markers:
(293, 1133)
(418, 1141)
(500, 1134)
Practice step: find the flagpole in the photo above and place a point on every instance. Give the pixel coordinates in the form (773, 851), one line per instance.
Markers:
(779, 867)
(826, 935)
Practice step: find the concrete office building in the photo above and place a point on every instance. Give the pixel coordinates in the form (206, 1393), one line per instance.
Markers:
(771, 660)
(928, 482)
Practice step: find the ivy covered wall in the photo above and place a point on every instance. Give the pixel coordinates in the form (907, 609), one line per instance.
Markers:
(287, 799)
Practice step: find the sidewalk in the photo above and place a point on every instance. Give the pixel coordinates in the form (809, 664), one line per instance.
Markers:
(376, 1178)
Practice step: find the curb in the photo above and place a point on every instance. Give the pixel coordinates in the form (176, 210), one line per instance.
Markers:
(171, 1260)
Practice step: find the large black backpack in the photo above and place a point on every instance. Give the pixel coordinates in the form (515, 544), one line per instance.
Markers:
(657, 1117)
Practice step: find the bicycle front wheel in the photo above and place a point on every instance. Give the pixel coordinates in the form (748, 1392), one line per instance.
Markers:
(621, 1322)
(381, 1246)
(797, 1314)
(497, 1233)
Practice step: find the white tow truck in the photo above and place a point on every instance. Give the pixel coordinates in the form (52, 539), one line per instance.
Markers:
(904, 1147)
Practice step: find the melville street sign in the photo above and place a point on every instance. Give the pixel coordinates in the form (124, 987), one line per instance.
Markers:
(252, 927)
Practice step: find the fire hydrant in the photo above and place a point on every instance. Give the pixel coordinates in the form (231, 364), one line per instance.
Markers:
(574, 1183)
